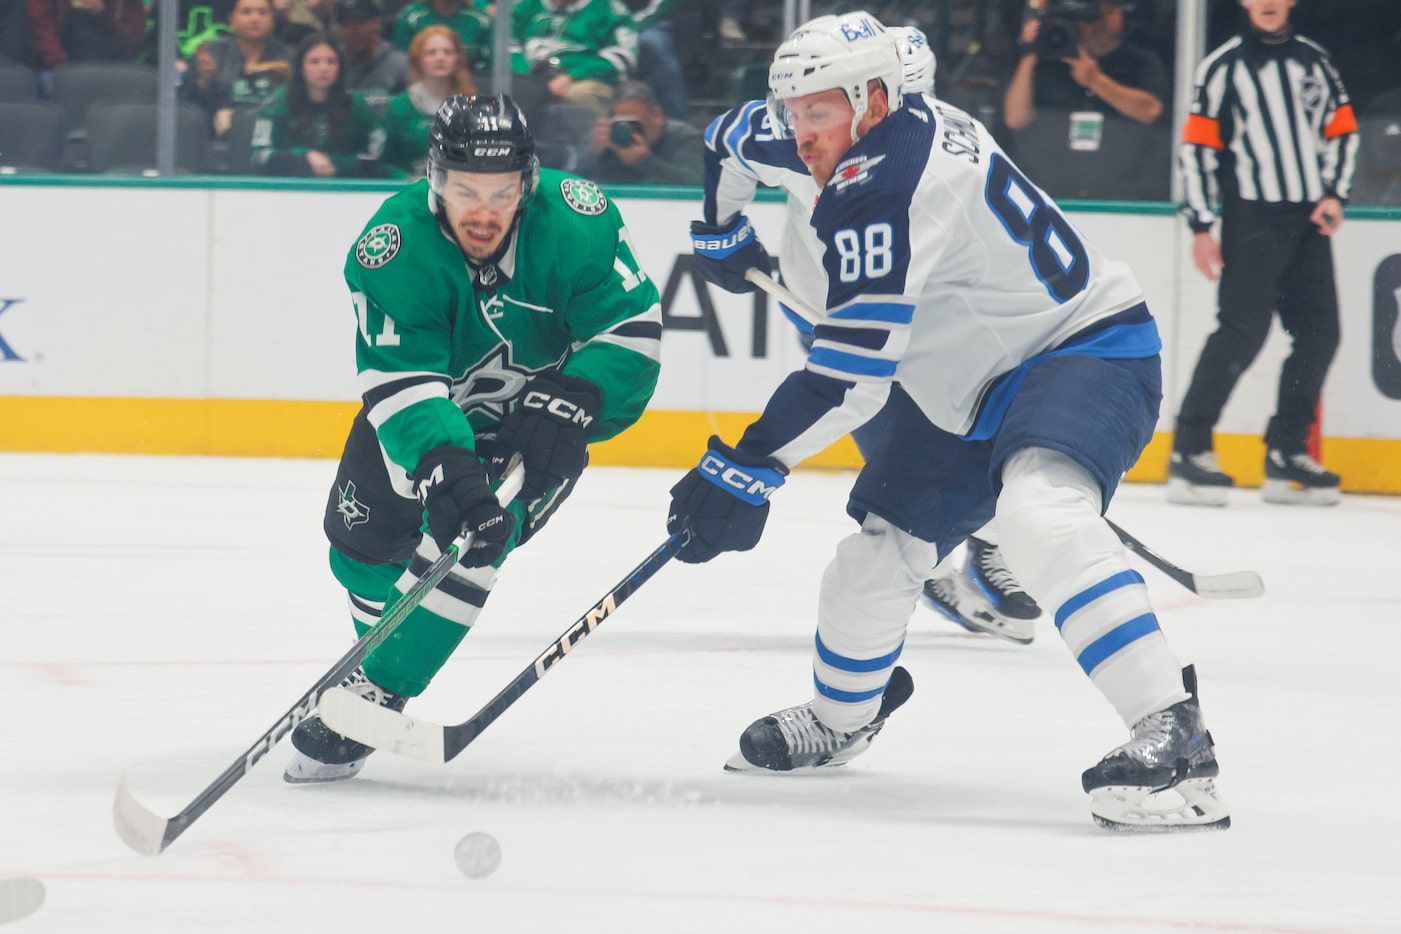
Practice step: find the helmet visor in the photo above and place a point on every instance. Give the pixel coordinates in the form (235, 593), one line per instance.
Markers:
(792, 117)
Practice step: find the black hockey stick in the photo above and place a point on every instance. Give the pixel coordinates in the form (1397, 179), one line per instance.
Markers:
(1233, 585)
(350, 715)
(148, 833)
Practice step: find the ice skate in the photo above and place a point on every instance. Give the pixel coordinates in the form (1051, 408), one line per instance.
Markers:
(985, 596)
(322, 755)
(1197, 480)
(1164, 778)
(794, 740)
(1299, 480)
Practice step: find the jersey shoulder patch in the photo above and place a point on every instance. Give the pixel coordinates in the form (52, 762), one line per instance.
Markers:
(583, 195)
(378, 246)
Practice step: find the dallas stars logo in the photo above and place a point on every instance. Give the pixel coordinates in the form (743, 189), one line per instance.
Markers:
(489, 385)
(583, 196)
(352, 510)
(378, 246)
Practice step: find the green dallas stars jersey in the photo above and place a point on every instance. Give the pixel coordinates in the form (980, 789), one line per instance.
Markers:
(433, 344)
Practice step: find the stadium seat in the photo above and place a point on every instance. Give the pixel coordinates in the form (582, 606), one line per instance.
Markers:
(31, 136)
(18, 83)
(121, 138)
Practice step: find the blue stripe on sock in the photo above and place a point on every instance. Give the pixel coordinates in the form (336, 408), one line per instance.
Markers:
(847, 697)
(1091, 594)
(856, 665)
(1106, 645)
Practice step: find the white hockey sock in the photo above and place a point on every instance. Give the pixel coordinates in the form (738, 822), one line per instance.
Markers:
(1071, 562)
(868, 593)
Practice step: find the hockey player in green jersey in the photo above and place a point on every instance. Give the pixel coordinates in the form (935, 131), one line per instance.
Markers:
(501, 312)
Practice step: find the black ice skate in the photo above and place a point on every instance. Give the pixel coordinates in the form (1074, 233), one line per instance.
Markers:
(1197, 480)
(1297, 479)
(794, 740)
(1164, 778)
(985, 596)
(323, 755)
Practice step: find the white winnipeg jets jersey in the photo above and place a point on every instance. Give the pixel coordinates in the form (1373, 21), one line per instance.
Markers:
(945, 269)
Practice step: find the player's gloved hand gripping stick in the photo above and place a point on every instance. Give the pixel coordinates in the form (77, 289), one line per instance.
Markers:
(1226, 586)
(148, 833)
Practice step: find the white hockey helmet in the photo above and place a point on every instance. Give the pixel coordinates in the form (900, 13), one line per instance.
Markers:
(842, 52)
(918, 59)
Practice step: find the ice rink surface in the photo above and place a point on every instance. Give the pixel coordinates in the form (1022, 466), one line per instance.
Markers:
(160, 613)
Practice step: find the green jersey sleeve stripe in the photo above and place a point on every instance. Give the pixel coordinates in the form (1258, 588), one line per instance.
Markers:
(410, 395)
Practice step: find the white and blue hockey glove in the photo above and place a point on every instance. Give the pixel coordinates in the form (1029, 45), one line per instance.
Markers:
(725, 254)
(725, 500)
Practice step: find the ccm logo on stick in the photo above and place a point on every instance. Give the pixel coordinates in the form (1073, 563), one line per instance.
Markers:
(732, 476)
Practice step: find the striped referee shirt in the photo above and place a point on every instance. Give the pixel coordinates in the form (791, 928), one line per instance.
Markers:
(1269, 123)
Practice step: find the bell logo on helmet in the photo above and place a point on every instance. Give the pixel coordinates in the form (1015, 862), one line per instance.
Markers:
(860, 30)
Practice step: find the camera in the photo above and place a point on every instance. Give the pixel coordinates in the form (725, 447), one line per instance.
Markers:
(624, 131)
(1061, 25)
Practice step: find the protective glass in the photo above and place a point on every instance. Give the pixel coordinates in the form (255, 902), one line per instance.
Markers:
(812, 113)
(467, 191)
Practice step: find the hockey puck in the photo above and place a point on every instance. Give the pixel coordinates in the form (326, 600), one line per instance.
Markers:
(478, 855)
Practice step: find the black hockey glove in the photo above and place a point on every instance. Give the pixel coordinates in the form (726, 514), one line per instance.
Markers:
(549, 429)
(725, 254)
(725, 498)
(452, 484)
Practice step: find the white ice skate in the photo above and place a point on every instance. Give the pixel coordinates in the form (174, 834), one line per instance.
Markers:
(795, 741)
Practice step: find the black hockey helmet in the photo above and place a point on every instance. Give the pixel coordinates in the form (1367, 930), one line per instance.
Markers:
(481, 134)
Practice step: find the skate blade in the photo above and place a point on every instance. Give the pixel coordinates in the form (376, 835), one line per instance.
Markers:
(1188, 806)
(737, 763)
(1182, 493)
(1287, 493)
(304, 770)
(982, 619)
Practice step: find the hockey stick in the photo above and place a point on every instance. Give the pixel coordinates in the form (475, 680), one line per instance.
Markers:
(19, 898)
(1233, 585)
(148, 833)
(351, 715)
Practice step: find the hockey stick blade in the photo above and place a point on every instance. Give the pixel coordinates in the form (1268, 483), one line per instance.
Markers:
(149, 834)
(1232, 585)
(352, 716)
(20, 897)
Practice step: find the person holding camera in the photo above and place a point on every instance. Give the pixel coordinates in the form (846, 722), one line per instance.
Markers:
(1074, 58)
(638, 144)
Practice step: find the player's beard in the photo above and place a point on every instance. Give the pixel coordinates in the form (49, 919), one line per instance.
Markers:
(476, 248)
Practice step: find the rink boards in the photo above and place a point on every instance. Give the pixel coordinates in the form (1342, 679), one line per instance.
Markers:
(199, 316)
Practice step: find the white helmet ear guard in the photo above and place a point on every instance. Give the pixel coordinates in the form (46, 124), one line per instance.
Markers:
(842, 52)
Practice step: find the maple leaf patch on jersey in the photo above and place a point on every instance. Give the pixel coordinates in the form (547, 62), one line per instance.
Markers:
(583, 196)
(378, 246)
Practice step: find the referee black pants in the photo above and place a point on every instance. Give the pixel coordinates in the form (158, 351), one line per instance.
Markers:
(1273, 259)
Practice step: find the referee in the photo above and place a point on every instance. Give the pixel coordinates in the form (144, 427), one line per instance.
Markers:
(1272, 135)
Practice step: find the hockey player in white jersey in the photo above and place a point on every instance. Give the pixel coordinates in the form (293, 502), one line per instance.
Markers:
(1022, 372)
(980, 594)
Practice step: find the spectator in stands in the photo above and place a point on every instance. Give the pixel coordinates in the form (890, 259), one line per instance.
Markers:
(241, 70)
(461, 16)
(439, 69)
(372, 65)
(657, 63)
(639, 144)
(1104, 74)
(61, 31)
(315, 126)
(574, 52)
(294, 20)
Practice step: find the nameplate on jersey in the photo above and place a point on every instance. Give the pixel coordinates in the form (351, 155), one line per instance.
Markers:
(855, 171)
